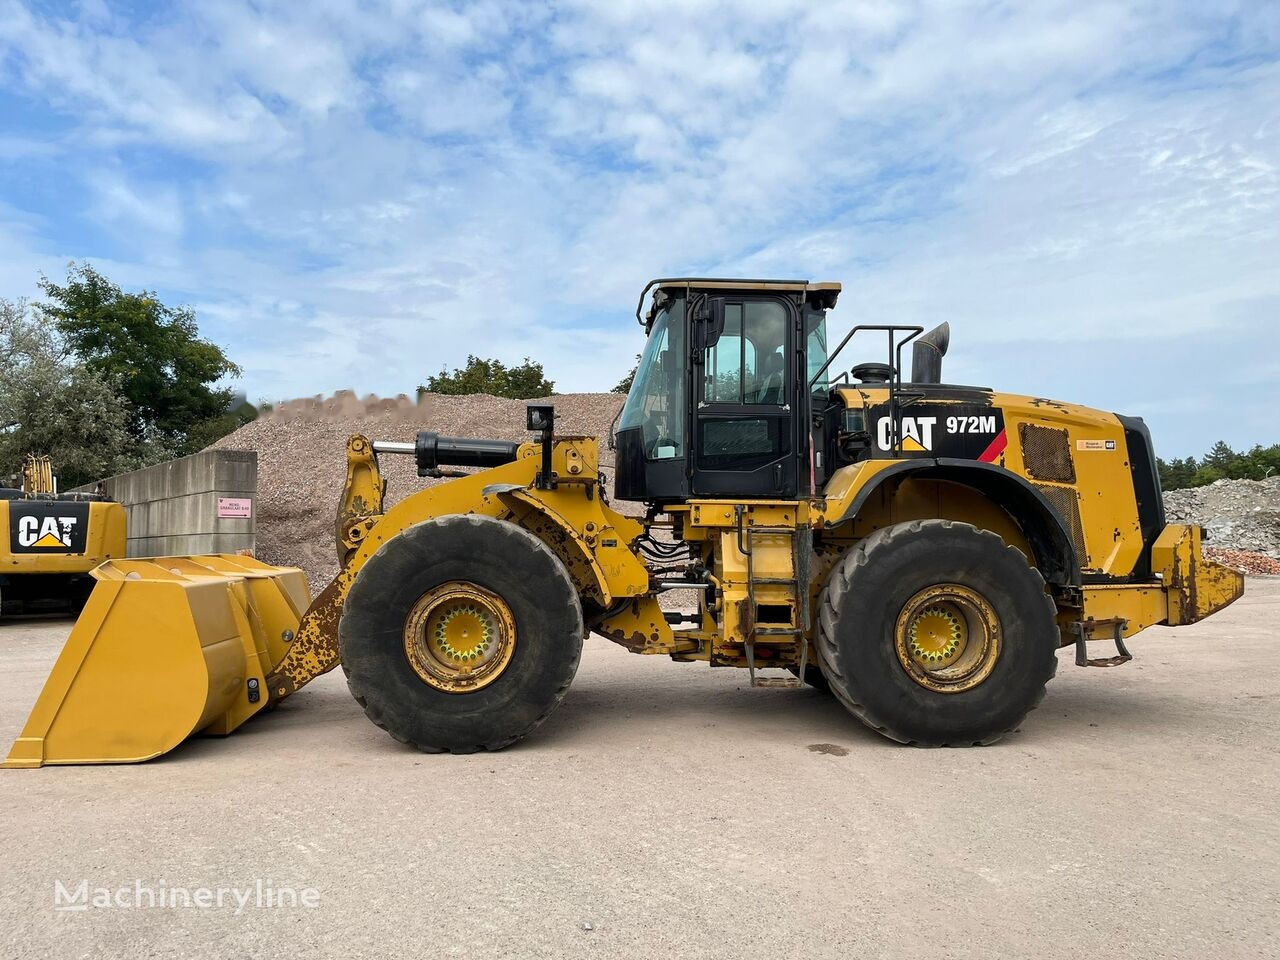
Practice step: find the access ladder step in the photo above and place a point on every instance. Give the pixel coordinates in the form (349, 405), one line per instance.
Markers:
(1082, 629)
(777, 683)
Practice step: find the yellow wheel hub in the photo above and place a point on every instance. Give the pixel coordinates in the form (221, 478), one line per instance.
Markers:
(935, 635)
(463, 633)
(459, 637)
(948, 638)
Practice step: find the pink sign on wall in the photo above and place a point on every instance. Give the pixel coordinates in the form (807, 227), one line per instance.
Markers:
(234, 508)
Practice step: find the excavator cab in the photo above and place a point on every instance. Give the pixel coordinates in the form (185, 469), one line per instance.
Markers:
(724, 393)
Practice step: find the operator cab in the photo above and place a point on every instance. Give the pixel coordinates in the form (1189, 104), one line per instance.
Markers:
(721, 401)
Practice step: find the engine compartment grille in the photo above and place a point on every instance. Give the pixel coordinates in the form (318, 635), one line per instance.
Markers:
(1067, 505)
(1046, 453)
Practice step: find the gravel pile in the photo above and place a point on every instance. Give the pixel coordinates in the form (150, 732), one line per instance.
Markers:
(1238, 515)
(301, 450)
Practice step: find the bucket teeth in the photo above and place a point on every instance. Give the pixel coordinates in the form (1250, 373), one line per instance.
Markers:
(165, 648)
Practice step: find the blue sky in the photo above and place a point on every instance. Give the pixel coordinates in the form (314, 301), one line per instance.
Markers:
(352, 195)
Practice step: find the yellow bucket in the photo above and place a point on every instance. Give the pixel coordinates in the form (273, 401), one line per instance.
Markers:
(165, 648)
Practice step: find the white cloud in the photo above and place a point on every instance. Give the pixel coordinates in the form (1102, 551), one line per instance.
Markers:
(355, 195)
(151, 214)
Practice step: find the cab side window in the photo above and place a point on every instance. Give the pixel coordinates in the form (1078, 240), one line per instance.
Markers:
(747, 364)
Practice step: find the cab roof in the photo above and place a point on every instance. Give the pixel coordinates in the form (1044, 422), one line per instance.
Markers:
(823, 294)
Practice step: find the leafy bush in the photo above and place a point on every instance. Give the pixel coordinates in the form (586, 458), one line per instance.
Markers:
(492, 377)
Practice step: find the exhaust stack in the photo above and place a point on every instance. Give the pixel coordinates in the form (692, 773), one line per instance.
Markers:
(927, 353)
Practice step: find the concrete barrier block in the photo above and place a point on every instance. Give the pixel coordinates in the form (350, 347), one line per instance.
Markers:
(173, 507)
(186, 545)
(238, 473)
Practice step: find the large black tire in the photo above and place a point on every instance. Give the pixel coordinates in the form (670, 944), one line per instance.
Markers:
(873, 584)
(500, 557)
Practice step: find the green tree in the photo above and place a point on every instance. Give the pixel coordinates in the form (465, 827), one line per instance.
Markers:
(153, 352)
(1221, 458)
(624, 385)
(206, 432)
(1176, 474)
(492, 377)
(50, 404)
(1221, 463)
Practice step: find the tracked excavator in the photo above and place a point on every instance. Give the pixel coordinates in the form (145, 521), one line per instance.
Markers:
(50, 541)
(920, 549)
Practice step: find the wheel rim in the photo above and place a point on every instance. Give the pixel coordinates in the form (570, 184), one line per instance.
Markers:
(459, 637)
(948, 638)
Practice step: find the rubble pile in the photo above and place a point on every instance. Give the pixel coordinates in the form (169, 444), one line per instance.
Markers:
(1241, 520)
(1253, 564)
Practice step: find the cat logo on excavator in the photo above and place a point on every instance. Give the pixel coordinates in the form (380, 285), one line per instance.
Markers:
(921, 550)
(54, 532)
(47, 526)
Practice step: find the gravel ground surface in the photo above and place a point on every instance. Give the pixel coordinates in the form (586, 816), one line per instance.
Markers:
(668, 810)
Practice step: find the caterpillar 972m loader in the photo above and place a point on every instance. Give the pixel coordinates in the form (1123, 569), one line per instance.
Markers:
(50, 541)
(921, 549)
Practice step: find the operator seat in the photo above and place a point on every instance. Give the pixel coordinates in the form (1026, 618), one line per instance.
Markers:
(771, 380)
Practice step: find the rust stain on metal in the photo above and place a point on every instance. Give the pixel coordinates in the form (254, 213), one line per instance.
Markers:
(314, 650)
(746, 620)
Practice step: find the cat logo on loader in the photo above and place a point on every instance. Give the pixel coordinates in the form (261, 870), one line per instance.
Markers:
(927, 590)
(915, 433)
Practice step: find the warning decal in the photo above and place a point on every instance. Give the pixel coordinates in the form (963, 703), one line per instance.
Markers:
(1095, 444)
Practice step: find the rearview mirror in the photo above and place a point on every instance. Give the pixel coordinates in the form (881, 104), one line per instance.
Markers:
(708, 324)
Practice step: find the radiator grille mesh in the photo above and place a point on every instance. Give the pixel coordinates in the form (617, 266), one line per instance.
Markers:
(1067, 506)
(1046, 453)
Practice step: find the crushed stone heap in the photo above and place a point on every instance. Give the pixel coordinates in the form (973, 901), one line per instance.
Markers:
(1238, 515)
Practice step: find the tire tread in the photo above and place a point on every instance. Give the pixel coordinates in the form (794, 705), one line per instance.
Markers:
(846, 571)
(373, 710)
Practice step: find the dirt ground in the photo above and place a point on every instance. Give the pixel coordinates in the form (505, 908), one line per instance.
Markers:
(669, 810)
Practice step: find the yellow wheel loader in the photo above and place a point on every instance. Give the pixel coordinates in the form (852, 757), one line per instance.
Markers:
(921, 549)
(49, 542)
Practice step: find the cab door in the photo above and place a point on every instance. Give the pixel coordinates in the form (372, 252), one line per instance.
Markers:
(744, 424)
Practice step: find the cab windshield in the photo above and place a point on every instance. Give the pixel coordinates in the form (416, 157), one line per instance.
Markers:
(656, 402)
